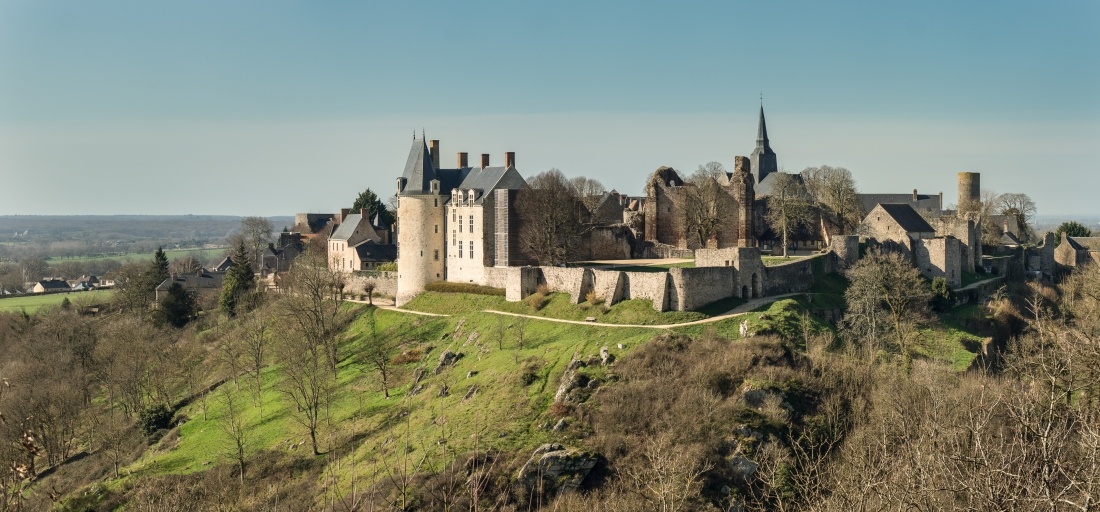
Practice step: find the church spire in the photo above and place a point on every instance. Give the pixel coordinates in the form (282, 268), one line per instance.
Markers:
(762, 130)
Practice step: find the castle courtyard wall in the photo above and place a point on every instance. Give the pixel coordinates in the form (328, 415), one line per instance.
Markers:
(693, 288)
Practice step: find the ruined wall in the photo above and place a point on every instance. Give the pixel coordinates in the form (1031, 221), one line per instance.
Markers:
(846, 248)
(939, 257)
(716, 257)
(609, 243)
(797, 276)
(693, 288)
(566, 280)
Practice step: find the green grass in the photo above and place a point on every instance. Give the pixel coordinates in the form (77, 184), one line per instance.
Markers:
(685, 264)
(130, 257)
(31, 303)
(632, 312)
(364, 427)
(969, 278)
(772, 261)
(951, 345)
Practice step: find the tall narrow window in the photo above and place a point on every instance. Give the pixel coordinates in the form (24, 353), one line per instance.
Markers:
(459, 248)
(471, 223)
(471, 250)
(460, 224)
(454, 238)
(437, 255)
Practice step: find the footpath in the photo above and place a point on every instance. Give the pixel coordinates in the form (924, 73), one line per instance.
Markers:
(737, 311)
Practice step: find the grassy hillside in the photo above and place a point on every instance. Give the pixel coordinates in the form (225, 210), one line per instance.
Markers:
(496, 400)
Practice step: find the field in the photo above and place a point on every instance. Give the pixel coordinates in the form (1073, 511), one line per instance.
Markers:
(129, 257)
(31, 303)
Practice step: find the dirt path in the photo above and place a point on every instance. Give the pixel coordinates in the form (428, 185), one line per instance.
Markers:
(737, 311)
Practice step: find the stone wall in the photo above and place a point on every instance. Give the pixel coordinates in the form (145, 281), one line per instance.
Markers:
(647, 285)
(693, 288)
(385, 283)
(609, 285)
(609, 243)
(797, 276)
(566, 280)
(846, 248)
(939, 257)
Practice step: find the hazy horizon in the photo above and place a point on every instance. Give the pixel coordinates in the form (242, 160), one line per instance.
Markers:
(253, 108)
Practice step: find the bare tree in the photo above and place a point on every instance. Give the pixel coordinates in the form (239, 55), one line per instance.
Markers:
(378, 352)
(788, 207)
(714, 170)
(255, 334)
(1022, 208)
(312, 301)
(550, 221)
(886, 294)
(706, 208)
(305, 379)
(834, 189)
(254, 233)
(588, 191)
(232, 424)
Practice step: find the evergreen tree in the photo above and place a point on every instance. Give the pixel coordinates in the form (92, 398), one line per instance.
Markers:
(159, 270)
(239, 281)
(1071, 228)
(178, 307)
(369, 200)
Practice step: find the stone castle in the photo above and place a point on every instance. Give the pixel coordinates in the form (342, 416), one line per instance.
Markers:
(460, 224)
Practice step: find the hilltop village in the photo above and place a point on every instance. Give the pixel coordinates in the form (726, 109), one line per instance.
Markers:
(480, 224)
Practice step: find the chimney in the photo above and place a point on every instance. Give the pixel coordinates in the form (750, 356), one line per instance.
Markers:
(433, 147)
(914, 195)
(463, 161)
(509, 159)
(941, 200)
(484, 160)
(344, 214)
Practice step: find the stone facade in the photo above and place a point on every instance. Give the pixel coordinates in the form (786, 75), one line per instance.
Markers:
(939, 257)
(668, 195)
(1075, 251)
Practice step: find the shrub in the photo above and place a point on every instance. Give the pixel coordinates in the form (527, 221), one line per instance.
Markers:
(528, 374)
(560, 409)
(536, 301)
(387, 267)
(543, 290)
(408, 356)
(593, 299)
(158, 417)
(445, 287)
(942, 295)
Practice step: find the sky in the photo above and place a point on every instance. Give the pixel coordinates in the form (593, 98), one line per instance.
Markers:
(277, 107)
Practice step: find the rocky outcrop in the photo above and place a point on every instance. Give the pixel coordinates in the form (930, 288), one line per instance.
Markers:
(554, 468)
(447, 358)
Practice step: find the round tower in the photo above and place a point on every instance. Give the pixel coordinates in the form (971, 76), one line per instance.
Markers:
(420, 242)
(969, 191)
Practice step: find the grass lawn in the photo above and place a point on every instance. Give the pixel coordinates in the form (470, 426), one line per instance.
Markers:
(31, 303)
(130, 257)
(772, 261)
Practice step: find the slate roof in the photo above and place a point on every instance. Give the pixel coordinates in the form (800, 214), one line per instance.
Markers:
(347, 228)
(370, 251)
(54, 284)
(1009, 239)
(764, 188)
(1084, 243)
(419, 171)
(907, 218)
(224, 265)
(195, 281)
(923, 202)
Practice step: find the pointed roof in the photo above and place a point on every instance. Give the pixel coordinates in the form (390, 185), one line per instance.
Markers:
(762, 130)
(419, 171)
(906, 217)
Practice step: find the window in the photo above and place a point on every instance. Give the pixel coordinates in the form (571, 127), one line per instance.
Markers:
(437, 228)
(454, 238)
(471, 250)
(437, 255)
(471, 223)
(459, 249)
(460, 224)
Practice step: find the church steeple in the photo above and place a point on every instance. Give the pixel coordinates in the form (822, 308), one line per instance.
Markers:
(763, 158)
(762, 131)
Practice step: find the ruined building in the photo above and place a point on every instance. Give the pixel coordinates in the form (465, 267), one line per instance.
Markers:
(730, 199)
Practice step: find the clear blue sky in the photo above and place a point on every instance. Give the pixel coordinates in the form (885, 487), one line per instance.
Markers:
(271, 108)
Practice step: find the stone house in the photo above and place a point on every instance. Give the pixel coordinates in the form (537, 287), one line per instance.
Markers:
(356, 229)
(1074, 251)
(899, 227)
(202, 283)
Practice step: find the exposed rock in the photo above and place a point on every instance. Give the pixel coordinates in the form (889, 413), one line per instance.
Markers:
(620, 345)
(569, 381)
(417, 375)
(472, 338)
(416, 390)
(553, 469)
(742, 468)
(560, 425)
(606, 357)
(576, 363)
(447, 358)
(470, 392)
(593, 384)
(470, 374)
(444, 390)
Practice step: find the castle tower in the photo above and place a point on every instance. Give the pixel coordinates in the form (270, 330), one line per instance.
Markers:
(763, 158)
(969, 192)
(420, 212)
(743, 193)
